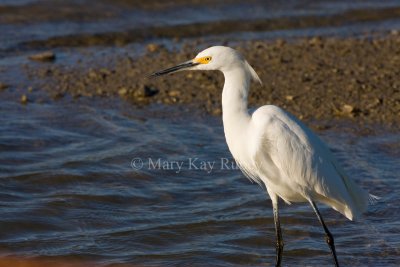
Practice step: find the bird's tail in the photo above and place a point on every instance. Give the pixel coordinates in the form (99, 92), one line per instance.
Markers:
(359, 197)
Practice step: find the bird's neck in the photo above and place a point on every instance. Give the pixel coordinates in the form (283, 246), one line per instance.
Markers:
(234, 94)
(235, 115)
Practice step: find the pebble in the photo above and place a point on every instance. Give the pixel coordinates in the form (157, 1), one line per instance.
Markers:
(105, 72)
(348, 109)
(280, 43)
(99, 91)
(3, 86)
(24, 99)
(57, 95)
(149, 91)
(44, 56)
(217, 111)
(144, 91)
(92, 74)
(315, 41)
(174, 93)
(123, 91)
(153, 47)
(285, 59)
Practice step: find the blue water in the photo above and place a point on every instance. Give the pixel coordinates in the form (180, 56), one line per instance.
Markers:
(69, 189)
(114, 17)
(105, 181)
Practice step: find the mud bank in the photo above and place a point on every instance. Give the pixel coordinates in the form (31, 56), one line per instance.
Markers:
(316, 79)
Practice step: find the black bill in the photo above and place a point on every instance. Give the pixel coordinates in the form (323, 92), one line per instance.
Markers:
(184, 65)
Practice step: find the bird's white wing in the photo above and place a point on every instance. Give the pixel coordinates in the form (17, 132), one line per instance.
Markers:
(294, 163)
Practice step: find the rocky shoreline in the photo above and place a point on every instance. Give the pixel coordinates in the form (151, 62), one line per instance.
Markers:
(315, 78)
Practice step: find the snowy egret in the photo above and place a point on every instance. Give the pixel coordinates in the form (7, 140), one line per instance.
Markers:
(275, 149)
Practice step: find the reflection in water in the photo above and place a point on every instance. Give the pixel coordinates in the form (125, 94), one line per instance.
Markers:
(68, 190)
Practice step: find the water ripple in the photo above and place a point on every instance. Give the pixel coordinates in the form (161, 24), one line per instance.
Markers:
(68, 190)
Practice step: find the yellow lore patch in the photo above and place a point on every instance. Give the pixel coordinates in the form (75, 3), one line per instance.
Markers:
(203, 60)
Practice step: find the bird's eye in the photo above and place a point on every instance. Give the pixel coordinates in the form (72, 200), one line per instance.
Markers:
(203, 60)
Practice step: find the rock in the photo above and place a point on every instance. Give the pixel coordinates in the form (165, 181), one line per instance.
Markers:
(286, 59)
(280, 43)
(306, 78)
(374, 102)
(174, 93)
(145, 91)
(315, 41)
(153, 47)
(99, 91)
(217, 111)
(3, 86)
(24, 99)
(149, 91)
(92, 74)
(57, 95)
(348, 109)
(289, 97)
(105, 72)
(123, 91)
(44, 56)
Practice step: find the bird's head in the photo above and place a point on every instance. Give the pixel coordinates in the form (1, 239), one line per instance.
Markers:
(214, 58)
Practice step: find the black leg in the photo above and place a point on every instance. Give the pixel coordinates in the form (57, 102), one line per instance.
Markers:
(329, 237)
(279, 240)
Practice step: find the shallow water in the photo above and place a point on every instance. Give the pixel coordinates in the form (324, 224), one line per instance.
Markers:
(69, 189)
(108, 182)
(95, 17)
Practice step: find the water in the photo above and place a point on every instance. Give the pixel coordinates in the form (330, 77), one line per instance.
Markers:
(108, 182)
(75, 18)
(69, 189)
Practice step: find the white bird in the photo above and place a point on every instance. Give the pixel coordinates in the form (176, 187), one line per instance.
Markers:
(275, 149)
